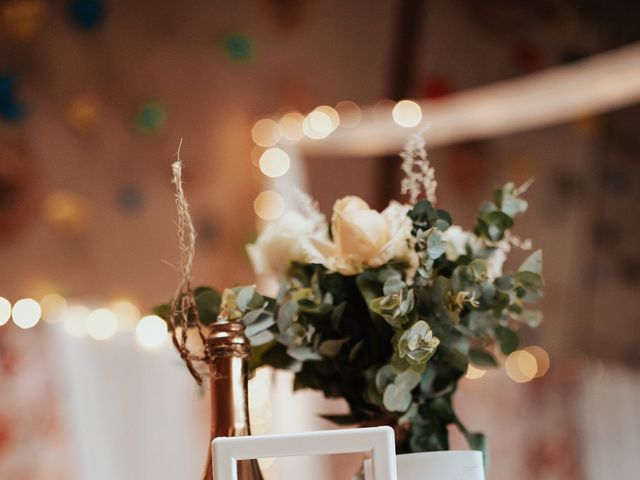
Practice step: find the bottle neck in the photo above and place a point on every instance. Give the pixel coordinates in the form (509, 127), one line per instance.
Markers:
(229, 401)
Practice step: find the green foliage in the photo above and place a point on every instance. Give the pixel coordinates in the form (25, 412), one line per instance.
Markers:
(395, 341)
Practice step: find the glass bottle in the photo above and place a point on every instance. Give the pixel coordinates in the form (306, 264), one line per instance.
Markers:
(229, 350)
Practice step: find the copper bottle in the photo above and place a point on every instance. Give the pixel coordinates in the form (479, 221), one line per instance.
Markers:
(229, 349)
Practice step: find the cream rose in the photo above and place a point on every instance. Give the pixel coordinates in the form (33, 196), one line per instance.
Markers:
(285, 240)
(363, 237)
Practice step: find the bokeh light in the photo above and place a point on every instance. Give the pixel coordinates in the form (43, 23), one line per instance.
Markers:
(349, 112)
(291, 126)
(542, 360)
(382, 110)
(75, 320)
(53, 307)
(320, 122)
(5, 310)
(102, 324)
(274, 162)
(265, 132)
(330, 112)
(127, 314)
(269, 205)
(521, 366)
(407, 113)
(474, 373)
(151, 331)
(26, 313)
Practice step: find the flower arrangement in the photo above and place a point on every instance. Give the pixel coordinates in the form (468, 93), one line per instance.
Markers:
(387, 309)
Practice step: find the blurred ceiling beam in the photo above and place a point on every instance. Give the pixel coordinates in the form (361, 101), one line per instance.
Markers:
(598, 84)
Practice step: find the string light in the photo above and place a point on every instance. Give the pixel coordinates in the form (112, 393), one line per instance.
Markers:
(126, 313)
(291, 126)
(407, 113)
(265, 132)
(26, 313)
(317, 125)
(381, 110)
(5, 310)
(542, 360)
(330, 112)
(474, 373)
(269, 205)
(151, 331)
(102, 324)
(521, 366)
(75, 321)
(53, 307)
(349, 112)
(274, 162)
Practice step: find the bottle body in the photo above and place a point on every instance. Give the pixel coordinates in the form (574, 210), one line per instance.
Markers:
(228, 371)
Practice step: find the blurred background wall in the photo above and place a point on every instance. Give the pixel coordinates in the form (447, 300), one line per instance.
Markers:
(95, 97)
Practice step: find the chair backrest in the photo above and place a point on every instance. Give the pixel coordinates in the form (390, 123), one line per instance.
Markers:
(379, 441)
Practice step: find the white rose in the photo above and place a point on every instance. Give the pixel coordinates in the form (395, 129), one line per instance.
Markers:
(364, 237)
(283, 241)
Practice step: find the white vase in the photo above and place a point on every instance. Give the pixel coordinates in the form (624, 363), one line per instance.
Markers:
(447, 465)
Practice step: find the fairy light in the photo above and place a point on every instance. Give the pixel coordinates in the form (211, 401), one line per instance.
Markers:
(274, 162)
(291, 126)
(269, 205)
(53, 307)
(75, 321)
(407, 113)
(5, 310)
(26, 313)
(102, 324)
(265, 132)
(381, 110)
(330, 112)
(474, 373)
(349, 112)
(151, 331)
(521, 366)
(317, 125)
(126, 313)
(542, 360)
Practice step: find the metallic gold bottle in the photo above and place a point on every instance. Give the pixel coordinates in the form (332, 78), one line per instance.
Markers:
(229, 349)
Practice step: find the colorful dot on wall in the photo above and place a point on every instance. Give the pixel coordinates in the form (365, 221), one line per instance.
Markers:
(81, 113)
(527, 58)
(67, 211)
(238, 47)
(150, 118)
(130, 198)
(437, 87)
(20, 20)
(86, 14)
(11, 109)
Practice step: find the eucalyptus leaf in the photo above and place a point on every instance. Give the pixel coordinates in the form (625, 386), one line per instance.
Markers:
(244, 297)
(330, 348)
(482, 358)
(508, 339)
(533, 263)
